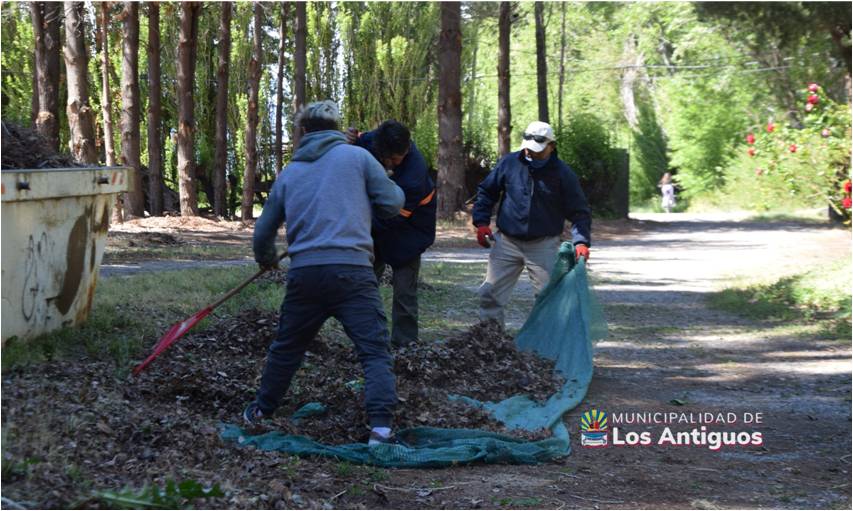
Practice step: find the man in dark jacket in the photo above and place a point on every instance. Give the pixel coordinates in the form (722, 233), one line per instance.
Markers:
(327, 195)
(535, 193)
(399, 241)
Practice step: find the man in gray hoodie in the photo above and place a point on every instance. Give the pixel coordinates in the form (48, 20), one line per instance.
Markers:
(327, 195)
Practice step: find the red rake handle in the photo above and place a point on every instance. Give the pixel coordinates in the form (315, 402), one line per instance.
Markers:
(179, 329)
(171, 336)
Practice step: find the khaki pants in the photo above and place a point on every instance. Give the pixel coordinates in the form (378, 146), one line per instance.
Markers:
(508, 257)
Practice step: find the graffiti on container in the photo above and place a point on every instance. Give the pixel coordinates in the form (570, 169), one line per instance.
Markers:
(33, 302)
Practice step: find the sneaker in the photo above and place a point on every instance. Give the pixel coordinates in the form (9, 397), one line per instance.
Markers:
(377, 439)
(252, 415)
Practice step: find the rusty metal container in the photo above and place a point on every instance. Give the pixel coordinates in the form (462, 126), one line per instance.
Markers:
(54, 229)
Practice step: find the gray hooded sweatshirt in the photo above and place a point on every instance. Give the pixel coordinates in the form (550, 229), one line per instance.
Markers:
(326, 195)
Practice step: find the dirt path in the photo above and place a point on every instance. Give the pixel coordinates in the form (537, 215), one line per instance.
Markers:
(667, 352)
(666, 345)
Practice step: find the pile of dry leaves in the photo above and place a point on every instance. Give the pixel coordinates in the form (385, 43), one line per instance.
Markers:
(216, 372)
(23, 148)
(84, 420)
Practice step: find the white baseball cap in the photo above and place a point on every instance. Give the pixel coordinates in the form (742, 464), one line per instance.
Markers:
(537, 136)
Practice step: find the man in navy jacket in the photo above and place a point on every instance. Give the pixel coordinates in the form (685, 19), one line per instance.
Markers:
(535, 193)
(399, 241)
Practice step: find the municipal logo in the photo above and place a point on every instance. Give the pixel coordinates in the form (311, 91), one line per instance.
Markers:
(594, 427)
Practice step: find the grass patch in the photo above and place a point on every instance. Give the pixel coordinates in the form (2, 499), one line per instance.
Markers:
(810, 217)
(130, 313)
(821, 295)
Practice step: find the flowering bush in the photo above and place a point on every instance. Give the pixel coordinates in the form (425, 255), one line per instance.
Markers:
(813, 161)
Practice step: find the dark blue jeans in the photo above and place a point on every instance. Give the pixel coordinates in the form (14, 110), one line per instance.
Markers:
(350, 294)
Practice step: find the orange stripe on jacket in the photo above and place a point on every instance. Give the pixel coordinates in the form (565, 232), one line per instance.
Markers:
(426, 200)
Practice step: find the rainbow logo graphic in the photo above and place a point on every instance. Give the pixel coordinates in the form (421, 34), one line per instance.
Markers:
(594, 427)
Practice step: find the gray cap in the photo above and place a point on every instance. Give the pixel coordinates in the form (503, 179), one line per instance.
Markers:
(327, 110)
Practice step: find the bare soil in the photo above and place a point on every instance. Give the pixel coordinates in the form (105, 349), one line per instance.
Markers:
(78, 427)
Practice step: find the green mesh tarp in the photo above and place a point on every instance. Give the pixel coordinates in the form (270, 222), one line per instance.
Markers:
(564, 322)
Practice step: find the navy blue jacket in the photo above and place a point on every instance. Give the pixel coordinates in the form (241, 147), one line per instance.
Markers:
(399, 240)
(534, 203)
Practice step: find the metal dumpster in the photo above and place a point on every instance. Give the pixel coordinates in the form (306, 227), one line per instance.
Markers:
(55, 224)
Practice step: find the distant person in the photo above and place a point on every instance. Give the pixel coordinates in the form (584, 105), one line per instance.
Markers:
(535, 193)
(327, 195)
(667, 191)
(400, 240)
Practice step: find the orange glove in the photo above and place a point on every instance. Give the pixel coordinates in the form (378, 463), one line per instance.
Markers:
(582, 251)
(483, 232)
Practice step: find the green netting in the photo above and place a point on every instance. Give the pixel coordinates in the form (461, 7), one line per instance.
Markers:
(564, 322)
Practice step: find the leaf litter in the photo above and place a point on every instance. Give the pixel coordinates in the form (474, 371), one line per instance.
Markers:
(81, 419)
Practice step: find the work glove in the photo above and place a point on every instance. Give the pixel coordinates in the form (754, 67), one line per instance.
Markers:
(352, 135)
(484, 234)
(582, 251)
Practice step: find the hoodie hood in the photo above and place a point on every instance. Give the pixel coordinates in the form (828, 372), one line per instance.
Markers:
(314, 145)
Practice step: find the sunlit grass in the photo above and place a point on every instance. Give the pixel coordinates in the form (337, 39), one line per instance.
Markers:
(819, 295)
(131, 313)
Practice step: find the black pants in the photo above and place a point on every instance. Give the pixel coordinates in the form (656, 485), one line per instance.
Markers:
(404, 311)
(350, 294)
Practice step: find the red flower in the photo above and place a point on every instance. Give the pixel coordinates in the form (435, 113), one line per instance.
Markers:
(771, 127)
(809, 107)
(812, 87)
(750, 139)
(793, 148)
(825, 133)
(813, 99)
(751, 151)
(846, 202)
(847, 186)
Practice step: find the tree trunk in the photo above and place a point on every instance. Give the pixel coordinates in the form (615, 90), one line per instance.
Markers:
(252, 117)
(279, 89)
(219, 206)
(34, 99)
(504, 124)
(155, 146)
(562, 67)
(106, 97)
(107, 106)
(80, 118)
(472, 91)
(633, 58)
(451, 177)
(541, 63)
(186, 75)
(46, 17)
(130, 137)
(299, 69)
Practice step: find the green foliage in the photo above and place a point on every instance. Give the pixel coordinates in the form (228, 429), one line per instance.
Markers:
(809, 162)
(586, 146)
(702, 66)
(17, 62)
(322, 45)
(649, 159)
(389, 48)
(172, 496)
(702, 135)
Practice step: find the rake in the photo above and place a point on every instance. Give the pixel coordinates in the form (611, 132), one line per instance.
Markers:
(180, 328)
